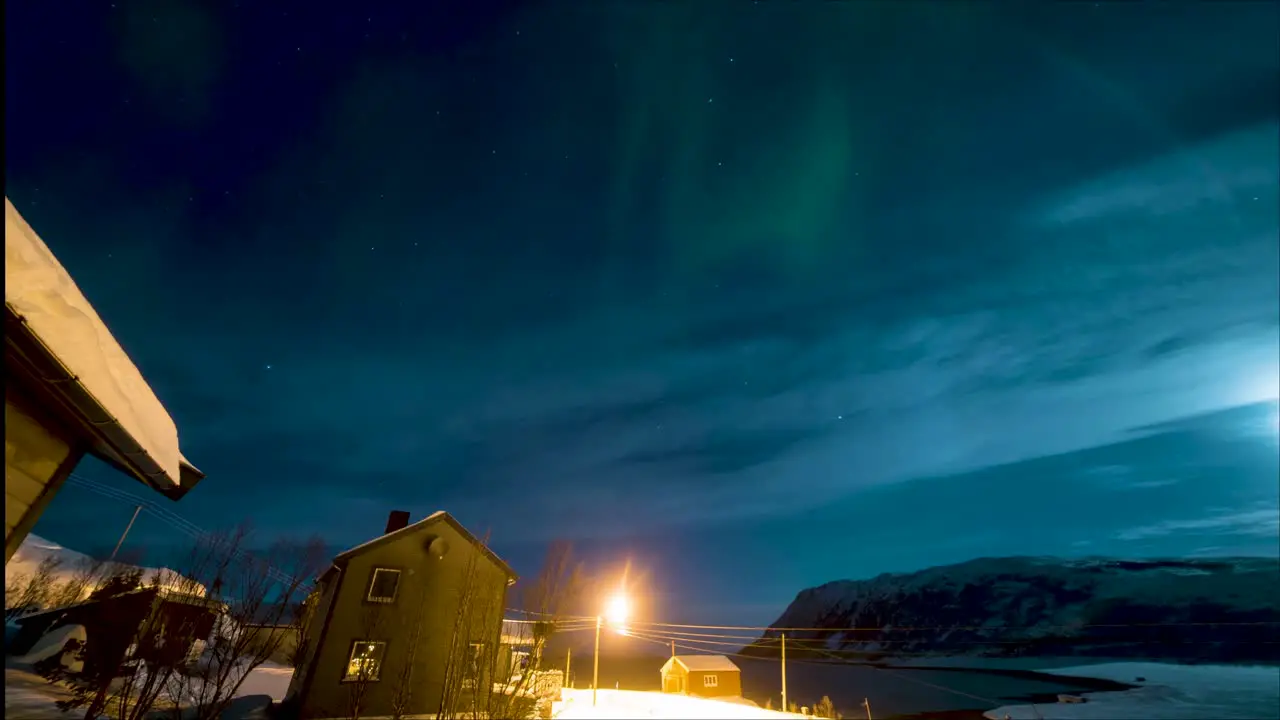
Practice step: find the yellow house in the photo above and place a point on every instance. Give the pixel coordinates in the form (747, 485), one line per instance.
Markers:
(70, 389)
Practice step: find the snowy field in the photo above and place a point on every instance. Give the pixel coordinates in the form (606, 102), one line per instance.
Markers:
(1168, 692)
(28, 696)
(637, 704)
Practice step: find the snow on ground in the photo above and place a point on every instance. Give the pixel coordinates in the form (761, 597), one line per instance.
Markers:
(30, 697)
(53, 643)
(613, 704)
(43, 293)
(268, 679)
(1168, 692)
(35, 550)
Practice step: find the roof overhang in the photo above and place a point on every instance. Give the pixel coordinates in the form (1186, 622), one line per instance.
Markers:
(97, 394)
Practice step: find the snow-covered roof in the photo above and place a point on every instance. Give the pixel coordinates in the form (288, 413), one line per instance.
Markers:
(435, 517)
(702, 663)
(42, 294)
(517, 632)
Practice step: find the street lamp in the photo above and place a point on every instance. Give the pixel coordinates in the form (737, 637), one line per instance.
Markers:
(615, 612)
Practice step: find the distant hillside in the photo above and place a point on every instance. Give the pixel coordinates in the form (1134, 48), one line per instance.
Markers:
(1228, 610)
(35, 550)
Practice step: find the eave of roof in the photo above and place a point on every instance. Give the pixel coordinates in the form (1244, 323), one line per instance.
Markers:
(439, 516)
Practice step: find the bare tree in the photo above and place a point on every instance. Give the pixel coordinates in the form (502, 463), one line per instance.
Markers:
(108, 679)
(84, 579)
(540, 605)
(37, 590)
(459, 657)
(826, 709)
(260, 595)
(13, 586)
(362, 672)
(402, 691)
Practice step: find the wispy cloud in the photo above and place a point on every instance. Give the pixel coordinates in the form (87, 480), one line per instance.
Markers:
(1262, 520)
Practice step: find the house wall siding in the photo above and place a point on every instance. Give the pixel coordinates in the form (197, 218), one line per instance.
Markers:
(728, 683)
(429, 586)
(37, 459)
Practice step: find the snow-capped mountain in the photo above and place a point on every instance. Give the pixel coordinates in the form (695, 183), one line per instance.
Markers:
(1220, 609)
(35, 550)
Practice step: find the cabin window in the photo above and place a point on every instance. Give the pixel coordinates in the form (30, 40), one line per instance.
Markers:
(365, 662)
(383, 585)
(710, 681)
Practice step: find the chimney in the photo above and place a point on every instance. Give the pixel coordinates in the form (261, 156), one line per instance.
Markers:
(397, 520)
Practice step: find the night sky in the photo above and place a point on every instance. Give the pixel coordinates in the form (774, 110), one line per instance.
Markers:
(756, 295)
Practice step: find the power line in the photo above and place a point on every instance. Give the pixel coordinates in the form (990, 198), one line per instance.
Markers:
(173, 520)
(936, 628)
(669, 642)
(846, 659)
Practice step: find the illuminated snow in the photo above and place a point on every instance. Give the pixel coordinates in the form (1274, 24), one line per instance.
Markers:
(615, 704)
(35, 549)
(41, 291)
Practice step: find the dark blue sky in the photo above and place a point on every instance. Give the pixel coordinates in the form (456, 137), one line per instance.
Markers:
(759, 294)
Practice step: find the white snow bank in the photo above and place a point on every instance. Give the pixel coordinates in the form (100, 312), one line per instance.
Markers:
(53, 643)
(1168, 692)
(635, 704)
(40, 290)
(267, 679)
(34, 550)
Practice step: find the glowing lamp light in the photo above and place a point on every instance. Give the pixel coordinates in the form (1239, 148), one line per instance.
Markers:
(617, 610)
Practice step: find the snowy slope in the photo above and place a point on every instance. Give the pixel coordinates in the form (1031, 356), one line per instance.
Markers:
(35, 549)
(1026, 606)
(40, 290)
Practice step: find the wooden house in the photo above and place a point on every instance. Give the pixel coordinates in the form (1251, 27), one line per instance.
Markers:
(419, 607)
(702, 675)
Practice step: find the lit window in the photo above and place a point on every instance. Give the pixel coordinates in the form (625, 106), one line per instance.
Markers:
(710, 681)
(383, 585)
(366, 660)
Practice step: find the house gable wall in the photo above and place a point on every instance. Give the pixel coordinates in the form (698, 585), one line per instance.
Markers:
(430, 588)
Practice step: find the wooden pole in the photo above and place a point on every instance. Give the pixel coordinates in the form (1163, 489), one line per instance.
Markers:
(673, 648)
(125, 534)
(568, 660)
(785, 706)
(595, 658)
(867, 704)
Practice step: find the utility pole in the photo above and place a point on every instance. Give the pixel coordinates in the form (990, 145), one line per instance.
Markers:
(595, 658)
(785, 706)
(568, 663)
(867, 704)
(673, 648)
(125, 534)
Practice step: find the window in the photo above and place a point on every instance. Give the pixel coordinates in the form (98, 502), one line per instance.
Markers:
(710, 681)
(475, 666)
(366, 660)
(383, 585)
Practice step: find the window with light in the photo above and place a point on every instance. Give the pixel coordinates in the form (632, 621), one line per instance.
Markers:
(365, 662)
(710, 681)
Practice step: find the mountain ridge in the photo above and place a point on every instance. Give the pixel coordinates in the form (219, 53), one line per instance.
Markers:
(1222, 609)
